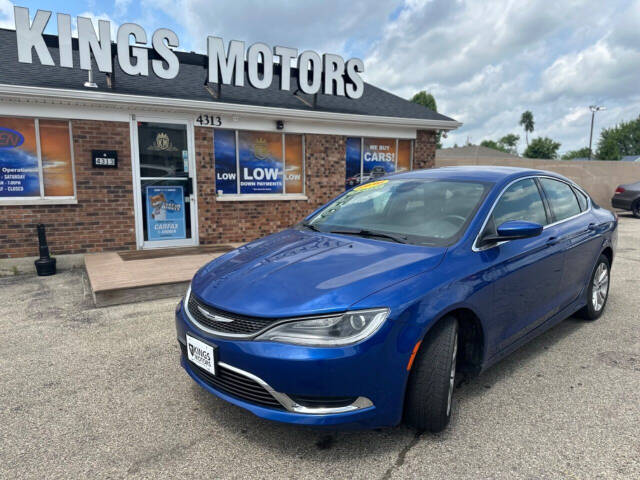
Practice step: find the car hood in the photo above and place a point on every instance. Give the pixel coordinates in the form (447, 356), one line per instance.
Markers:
(296, 272)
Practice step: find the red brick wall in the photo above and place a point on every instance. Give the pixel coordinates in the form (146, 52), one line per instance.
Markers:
(424, 150)
(243, 221)
(103, 218)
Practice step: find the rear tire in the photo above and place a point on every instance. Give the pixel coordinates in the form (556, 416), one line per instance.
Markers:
(598, 290)
(429, 394)
(635, 209)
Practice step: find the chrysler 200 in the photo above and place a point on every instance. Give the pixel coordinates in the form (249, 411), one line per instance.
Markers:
(365, 313)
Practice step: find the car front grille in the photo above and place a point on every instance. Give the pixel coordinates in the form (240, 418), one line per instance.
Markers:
(234, 384)
(231, 323)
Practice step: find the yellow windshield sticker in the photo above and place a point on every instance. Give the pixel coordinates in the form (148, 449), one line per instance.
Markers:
(369, 185)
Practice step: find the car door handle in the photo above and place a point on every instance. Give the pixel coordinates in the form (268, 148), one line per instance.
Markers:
(591, 226)
(552, 241)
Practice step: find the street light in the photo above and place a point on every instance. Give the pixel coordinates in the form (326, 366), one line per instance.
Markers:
(594, 109)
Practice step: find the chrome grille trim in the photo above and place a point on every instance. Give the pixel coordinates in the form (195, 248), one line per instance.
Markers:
(224, 320)
(289, 404)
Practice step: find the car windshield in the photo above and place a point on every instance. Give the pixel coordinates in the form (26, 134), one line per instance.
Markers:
(420, 211)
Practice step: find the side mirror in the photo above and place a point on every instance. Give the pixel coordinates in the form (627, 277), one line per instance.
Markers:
(513, 230)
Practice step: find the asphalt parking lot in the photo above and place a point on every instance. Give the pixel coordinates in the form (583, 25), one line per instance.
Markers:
(99, 393)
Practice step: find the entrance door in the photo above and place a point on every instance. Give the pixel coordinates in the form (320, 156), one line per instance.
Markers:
(164, 171)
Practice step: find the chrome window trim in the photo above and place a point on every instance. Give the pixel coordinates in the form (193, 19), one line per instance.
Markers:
(289, 404)
(475, 246)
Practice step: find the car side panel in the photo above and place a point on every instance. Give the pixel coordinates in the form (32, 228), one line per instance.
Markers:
(526, 274)
(583, 246)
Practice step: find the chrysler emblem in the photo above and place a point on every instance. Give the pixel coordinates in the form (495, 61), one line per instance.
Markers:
(215, 318)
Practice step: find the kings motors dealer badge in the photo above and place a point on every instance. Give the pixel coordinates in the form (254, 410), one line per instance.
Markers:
(162, 143)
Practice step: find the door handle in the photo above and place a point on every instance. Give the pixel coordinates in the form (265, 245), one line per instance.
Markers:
(591, 226)
(552, 241)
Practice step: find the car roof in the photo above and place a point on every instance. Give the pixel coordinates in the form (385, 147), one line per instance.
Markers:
(481, 173)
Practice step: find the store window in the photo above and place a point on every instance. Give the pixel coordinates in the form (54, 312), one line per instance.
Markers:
(36, 159)
(250, 163)
(370, 158)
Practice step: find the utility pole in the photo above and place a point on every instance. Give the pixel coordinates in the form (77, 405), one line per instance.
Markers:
(594, 109)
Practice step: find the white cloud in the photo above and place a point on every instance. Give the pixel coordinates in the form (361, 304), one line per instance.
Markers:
(121, 6)
(335, 26)
(487, 62)
(95, 17)
(6, 14)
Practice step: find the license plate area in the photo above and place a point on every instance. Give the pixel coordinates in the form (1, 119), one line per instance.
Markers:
(202, 354)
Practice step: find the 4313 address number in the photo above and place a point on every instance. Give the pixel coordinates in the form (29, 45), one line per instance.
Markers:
(209, 120)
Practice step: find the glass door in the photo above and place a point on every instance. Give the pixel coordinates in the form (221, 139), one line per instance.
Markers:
(166, 207)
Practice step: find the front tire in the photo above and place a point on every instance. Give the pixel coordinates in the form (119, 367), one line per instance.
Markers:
(635, 209)
(598, 290)
(430, 389)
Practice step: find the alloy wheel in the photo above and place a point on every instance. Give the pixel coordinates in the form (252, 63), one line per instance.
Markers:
(452, 374)
(600, 287)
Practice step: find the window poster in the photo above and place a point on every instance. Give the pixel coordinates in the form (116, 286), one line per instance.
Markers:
(55, 147)
(353, 162)
(224, 150)
(165, 213)
(260, 156)
(293, 164)
(19, 172)
(404, 155)
(378, 157)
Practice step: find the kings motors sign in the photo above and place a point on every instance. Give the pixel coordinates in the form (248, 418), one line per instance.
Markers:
(329, 73)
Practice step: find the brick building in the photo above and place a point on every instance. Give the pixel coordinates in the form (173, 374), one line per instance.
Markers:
(136, 162)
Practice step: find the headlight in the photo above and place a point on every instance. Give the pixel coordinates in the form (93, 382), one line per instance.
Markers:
(329, 331)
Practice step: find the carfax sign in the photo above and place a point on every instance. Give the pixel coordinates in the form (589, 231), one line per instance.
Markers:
(165, 213)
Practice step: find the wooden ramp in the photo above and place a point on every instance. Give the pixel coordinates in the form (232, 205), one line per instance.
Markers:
(115, 281)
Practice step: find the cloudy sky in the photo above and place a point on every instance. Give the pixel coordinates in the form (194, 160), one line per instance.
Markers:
(484, 61)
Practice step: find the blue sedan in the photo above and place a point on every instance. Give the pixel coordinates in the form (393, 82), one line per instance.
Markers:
(364, 314)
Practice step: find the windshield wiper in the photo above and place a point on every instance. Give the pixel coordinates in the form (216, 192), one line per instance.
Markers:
(310, 226)
(371, 233)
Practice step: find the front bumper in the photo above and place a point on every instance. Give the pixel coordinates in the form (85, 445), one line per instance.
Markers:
(371, 372)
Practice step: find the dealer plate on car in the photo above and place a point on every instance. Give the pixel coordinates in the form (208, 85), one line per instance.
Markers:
(201, 354)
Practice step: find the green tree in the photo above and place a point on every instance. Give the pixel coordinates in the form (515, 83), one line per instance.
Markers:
(542, 147)
(427, 100)
(618, 141)
(580, 153)
(510, 142)
(527, 123)
(495, 145)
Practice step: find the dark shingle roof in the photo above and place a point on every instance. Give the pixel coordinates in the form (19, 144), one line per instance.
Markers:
(189, 84)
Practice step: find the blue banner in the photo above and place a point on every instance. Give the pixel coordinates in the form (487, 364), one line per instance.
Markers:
(224, 152)
(19, 175)
(378, 157)
(165, 213)
(261, 165)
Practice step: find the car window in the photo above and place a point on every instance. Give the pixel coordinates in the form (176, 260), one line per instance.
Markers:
(426, 211)
(562, 200)
(521, 201)
(582, 199)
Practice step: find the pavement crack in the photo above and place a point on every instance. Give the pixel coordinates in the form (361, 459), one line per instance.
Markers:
(402, 455)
